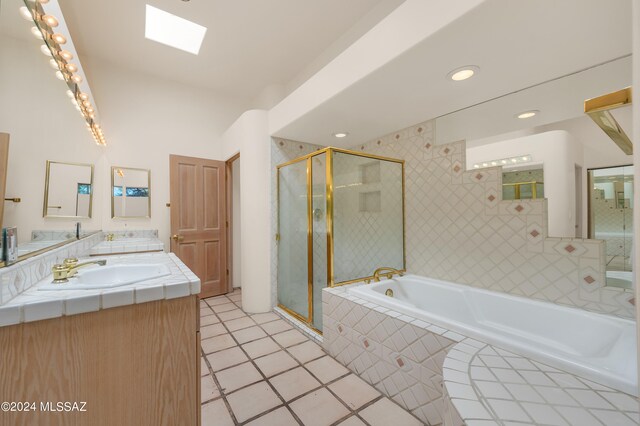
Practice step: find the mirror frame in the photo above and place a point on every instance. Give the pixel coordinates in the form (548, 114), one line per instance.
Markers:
(113, 212)
(46, 192)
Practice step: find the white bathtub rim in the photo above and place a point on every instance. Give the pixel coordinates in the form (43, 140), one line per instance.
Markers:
(587, 372)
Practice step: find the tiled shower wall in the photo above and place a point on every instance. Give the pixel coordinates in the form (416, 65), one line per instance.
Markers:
(458, 229)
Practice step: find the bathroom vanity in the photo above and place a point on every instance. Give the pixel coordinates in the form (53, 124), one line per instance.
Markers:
(121, 355)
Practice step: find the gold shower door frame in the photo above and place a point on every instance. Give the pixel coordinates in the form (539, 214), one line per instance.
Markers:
(329, 215)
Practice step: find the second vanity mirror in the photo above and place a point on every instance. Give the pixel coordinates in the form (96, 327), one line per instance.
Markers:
(68, 190)
(130, 192)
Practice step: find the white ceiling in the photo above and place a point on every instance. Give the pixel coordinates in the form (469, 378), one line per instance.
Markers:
(250, 45)
(516, 44)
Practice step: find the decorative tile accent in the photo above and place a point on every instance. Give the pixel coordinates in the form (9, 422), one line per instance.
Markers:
(462, 231)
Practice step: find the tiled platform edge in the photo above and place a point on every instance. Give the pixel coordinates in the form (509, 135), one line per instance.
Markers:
(489, 386)
(445, 378)
(399, 355)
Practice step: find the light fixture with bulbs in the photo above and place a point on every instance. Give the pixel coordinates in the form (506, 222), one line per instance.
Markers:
(340, 135)
(463, 73)
(50, 20)
(527, 114)
(60, 61)
(510, 161)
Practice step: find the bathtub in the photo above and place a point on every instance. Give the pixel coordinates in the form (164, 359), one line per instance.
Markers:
(597, 347)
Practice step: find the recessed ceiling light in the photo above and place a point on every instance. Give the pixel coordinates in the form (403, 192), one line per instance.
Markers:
(463, 73)
(173, 31)
(528, 114)
(340, 135)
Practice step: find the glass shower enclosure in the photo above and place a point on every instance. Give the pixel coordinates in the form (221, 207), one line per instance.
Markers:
(340, 217)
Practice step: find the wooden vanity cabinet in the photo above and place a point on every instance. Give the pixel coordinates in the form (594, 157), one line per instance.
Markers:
(132, 365)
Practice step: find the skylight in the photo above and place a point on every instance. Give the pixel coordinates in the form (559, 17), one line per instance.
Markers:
(173, 30)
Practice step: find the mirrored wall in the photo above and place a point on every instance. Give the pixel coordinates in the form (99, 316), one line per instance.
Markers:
(611, 220)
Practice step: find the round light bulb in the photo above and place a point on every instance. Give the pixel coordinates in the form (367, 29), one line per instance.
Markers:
(72, 67)
(50, 20)
(59, 38)
(524, 158)
(493, 163)
(504, 161)
(76, 79)
(83, 96)
(36, 33)
(45, 50)
(26, 13)
(340, 135)
(66, 55)
(484, 164)
(90, 110)
(475, 166)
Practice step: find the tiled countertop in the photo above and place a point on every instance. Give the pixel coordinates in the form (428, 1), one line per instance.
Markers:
(490, 386)
(35, 305)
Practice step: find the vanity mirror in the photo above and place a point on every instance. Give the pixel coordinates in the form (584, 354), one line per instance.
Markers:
(68, 190)
(43, 123)
(130, 192)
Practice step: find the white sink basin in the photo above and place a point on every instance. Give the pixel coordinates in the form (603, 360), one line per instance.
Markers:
(110, 276)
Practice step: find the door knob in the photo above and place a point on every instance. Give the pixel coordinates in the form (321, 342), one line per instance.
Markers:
(177, 237)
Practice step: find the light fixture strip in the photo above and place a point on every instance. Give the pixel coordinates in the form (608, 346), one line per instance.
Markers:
(52, 42)
(511, 161)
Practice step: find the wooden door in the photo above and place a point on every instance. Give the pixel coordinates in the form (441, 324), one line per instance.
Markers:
(198, 219)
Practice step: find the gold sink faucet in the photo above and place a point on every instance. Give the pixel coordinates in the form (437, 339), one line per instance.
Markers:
(69, 268)
(109, 237)
(386, 272)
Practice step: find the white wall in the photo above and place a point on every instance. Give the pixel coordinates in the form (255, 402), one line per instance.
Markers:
(249, 136)
(145, 119)
(559, 153)
(236, 223)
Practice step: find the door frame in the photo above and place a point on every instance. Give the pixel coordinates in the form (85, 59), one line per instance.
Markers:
(229, 224)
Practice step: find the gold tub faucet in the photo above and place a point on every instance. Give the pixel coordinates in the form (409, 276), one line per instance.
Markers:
(110, 237)
(386, 272)
(69, 268)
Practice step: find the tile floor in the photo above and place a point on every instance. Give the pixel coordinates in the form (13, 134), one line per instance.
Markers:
(259, 370)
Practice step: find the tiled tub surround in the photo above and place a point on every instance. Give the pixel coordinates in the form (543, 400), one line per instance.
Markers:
(406, 358)
(485, 385)
(34, 305)
(129, 242)
(599, 347)
(20, 277)
(399, 355)
(459, 230)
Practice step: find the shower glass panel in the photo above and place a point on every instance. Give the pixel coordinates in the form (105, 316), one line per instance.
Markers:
(340, 217)
(367, 216)
(611, 220)
(293, 269)
(319, 226)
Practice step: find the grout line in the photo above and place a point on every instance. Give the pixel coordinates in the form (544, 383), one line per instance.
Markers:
(251, 360)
